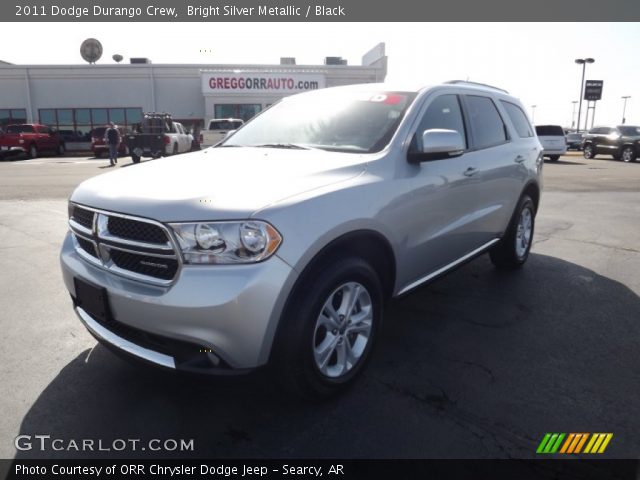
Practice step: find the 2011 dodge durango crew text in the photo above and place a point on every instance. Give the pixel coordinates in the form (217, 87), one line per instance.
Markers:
(281, 244)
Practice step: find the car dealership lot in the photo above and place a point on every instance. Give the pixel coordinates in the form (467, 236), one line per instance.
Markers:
(478, 364)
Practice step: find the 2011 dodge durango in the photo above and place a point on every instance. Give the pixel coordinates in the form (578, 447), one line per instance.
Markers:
(282, 244)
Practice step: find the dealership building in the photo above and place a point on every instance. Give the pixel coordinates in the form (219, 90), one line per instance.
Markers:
(74, 99)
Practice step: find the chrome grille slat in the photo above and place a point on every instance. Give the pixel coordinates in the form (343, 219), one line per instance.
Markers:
(140, 249)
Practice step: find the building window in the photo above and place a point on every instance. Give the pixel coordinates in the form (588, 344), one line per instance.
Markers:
(12, 115)
(75, 124)
(237, 110)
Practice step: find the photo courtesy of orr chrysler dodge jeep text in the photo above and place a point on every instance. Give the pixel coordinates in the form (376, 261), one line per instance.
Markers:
(281, 244)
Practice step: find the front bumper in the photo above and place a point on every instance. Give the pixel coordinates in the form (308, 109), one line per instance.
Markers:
(226, 314)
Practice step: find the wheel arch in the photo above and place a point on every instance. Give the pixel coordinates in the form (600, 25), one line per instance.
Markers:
(533, 190)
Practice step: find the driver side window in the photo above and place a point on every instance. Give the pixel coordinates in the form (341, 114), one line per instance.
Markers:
(443, 112)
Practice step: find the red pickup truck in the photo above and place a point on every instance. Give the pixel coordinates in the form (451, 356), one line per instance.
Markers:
(30, 139)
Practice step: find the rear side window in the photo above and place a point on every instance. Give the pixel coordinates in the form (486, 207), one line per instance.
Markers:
(444, 112)
(20, 129)
(487, 124)
(224, 125)
(549, 131)
(519, 119)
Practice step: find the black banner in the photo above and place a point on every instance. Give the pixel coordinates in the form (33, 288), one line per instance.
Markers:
(320, 11)
(574, 469)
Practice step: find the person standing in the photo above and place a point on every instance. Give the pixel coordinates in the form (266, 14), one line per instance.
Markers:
(112, 139)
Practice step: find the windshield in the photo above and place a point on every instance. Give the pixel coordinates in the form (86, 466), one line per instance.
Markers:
(359, 122)
(225, 124)
(629, 130)
(20, 129)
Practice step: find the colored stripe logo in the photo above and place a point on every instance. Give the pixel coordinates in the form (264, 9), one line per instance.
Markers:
(574, 443)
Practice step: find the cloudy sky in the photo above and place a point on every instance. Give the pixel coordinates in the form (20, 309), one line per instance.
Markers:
(533, 61)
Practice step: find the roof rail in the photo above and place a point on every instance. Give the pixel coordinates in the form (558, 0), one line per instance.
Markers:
(475, 83)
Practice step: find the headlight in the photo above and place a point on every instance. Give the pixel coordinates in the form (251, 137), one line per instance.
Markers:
(226, 242)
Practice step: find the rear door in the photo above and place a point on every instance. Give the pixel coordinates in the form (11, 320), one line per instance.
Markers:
(500, 156)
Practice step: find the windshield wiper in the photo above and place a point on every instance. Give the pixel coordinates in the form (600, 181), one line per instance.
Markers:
(294, 146)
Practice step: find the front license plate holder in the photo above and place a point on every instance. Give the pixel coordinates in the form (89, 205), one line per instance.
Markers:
(93, 300)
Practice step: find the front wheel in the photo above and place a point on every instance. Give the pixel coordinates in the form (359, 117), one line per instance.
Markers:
(135, 158)
(588, 152)
(628, 154)
(513, 249)
(327, 334)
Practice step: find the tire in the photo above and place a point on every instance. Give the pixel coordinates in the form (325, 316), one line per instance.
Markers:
(33, 151)
(513, 249)
(61, 149)
(554, 158)
(175, 149)
(135, 158)
(312, 349)
(588, 152)
(98, 154)
(628, 154)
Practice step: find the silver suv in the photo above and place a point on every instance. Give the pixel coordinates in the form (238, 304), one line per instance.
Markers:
(282, 244)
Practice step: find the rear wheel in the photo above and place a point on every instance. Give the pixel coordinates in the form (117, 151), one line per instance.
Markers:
(554, 158)
(327, 334)
(61, 149)
(513, 250)
(135, 158)
(628, 154)
(175, 149)
(588, 151)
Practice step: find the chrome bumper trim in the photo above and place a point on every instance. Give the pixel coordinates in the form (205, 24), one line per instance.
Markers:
(149, 355)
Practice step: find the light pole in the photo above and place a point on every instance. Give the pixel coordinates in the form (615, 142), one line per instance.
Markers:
(583, 62)
(533, 113)
(573, 114)
(624, 108)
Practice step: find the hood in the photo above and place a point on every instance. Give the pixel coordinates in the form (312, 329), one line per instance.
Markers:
(216, 183)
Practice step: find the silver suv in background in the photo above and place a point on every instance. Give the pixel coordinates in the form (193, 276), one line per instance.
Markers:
(553, 141)
(282, 244)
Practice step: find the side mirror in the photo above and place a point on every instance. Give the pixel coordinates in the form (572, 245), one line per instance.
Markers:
(438, 144)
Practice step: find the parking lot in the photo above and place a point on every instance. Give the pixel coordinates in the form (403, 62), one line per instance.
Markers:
(480, 364)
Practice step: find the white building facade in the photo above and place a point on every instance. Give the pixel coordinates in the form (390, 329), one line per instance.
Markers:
(74, 99)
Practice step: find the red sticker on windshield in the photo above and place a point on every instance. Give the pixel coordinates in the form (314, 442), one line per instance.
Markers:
(389, 99)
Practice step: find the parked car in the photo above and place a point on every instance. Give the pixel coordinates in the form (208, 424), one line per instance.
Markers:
(158, 135)
(217, 129)
(621, 142)
(553, 141)
(99, 146)
(282, 244)
(574, 141)
(30, 139)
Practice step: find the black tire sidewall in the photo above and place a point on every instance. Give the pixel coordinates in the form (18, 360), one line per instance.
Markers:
(295, 340)
(504, 255)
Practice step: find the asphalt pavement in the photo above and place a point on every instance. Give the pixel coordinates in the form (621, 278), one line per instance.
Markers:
(480, 364)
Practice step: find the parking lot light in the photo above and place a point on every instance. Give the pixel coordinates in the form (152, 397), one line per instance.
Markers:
(583, 62)
(624, 108)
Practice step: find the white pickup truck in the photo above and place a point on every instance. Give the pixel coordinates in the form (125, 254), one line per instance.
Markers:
(217, 129)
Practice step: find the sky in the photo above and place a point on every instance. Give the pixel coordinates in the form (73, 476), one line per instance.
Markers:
(533, 61)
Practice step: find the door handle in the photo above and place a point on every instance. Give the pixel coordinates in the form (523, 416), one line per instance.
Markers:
(519, 159)
(471, 171)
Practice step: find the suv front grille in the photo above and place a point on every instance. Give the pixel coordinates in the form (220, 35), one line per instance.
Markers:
(132, 247)
(134, 230)
(164, 268)
(82, 216)
(87, 246)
